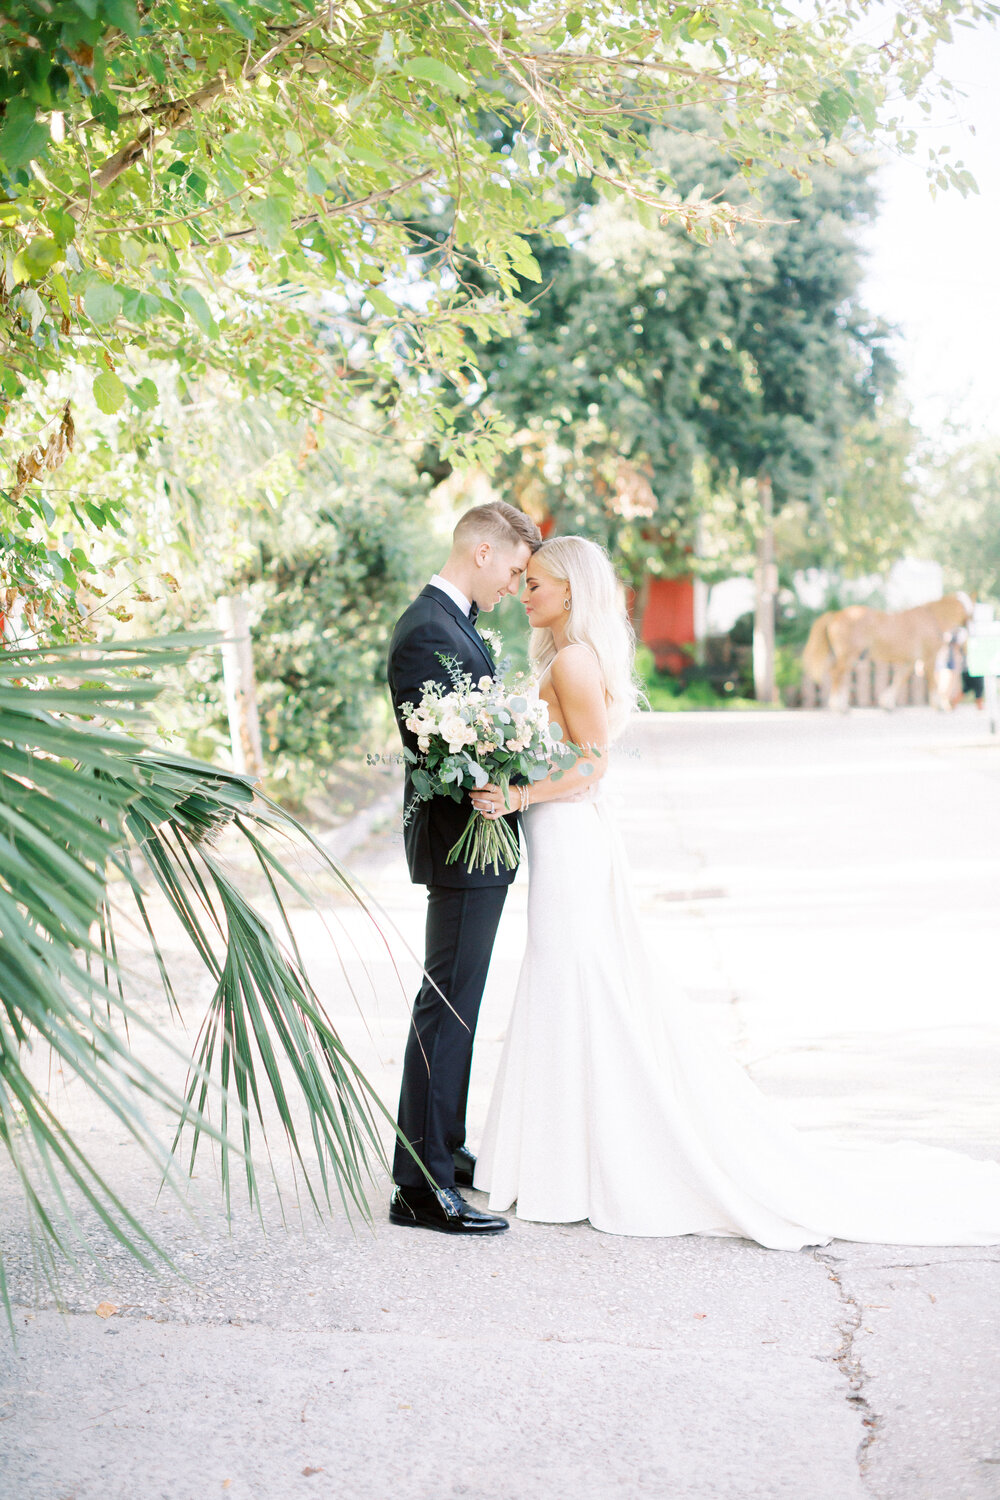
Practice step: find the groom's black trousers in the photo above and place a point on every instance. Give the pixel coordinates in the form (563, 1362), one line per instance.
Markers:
(461, 927)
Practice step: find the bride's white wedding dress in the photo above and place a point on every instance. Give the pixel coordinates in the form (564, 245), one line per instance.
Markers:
(614, 1102)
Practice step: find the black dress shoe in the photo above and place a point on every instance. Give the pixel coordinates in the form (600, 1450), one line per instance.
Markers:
(465, 1166)
(441, 1208)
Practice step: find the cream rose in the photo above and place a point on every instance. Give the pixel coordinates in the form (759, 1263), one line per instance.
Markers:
(457, 733)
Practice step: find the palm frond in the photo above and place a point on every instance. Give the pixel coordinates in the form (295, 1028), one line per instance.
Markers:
(83, 800)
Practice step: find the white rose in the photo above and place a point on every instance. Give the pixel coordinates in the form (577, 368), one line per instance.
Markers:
(456, 733)
(424, 743)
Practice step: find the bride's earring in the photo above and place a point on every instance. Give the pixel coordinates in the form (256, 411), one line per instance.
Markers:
(567, 604)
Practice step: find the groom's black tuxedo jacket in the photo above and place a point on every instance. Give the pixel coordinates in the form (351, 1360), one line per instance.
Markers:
(434, 623)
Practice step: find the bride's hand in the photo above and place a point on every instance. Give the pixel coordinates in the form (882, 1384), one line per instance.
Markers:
(489, 800)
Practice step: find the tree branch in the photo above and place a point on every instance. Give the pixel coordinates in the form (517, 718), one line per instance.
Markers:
(326, 213)
(557, 61)
(520, 76)
(178, 111)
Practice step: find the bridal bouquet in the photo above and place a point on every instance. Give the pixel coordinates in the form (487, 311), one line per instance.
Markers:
(472, 734)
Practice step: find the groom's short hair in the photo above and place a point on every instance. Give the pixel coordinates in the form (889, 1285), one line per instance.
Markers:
(497, 522)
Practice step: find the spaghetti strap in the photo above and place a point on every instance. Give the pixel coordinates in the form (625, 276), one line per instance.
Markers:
(585, 647)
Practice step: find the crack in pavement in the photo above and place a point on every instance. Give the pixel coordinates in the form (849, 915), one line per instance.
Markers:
(849, 1363)
(925, 1265)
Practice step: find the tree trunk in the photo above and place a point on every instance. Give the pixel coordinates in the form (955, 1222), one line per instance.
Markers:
(241, 686)
(766, 588)
(637, 604)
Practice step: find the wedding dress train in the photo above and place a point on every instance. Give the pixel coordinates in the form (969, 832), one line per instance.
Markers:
(614, 1102)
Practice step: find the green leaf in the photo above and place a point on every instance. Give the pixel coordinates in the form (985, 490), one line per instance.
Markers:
(99, 517)
(106, 110)
(314, 182)
(381, 302)
(237, 20)
(140, 307)
(123, 15)
(21, 137)
(36, 259)
(62, 224)
(199, 310)
(145, 395)
(832, 110)
(369, 158)
(29, 303)
(433, 70)
(102, 302)
(243, 145)
(273, 218)
(109, 392)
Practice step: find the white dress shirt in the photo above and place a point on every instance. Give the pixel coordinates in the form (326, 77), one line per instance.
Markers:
(453, 593)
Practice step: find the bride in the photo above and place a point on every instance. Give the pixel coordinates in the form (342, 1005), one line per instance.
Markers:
(613, 1103)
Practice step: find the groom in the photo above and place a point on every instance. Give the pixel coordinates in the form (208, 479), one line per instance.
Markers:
(491, 548)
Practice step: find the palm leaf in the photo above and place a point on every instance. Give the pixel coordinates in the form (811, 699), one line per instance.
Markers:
(81, 801)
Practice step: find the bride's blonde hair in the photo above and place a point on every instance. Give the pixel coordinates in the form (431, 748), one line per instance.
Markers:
(597, 618)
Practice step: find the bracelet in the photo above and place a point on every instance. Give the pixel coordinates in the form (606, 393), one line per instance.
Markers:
(525, 797)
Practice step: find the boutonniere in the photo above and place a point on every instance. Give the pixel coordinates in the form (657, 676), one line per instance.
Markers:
(494, 640)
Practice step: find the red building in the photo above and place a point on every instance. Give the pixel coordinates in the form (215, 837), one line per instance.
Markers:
(668, 621)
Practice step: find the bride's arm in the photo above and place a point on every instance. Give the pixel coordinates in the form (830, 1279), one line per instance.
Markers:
(576, 678)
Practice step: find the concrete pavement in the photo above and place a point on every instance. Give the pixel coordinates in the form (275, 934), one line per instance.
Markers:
(827, 889)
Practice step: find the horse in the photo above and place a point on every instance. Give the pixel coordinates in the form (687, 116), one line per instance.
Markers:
(902, 639)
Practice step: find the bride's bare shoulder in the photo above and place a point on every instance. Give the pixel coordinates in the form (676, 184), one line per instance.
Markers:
(574, 665)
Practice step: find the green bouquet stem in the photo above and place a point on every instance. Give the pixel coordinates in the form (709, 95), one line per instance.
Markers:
(487, 841)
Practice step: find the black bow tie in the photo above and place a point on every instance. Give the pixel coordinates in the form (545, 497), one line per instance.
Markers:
(473, 612)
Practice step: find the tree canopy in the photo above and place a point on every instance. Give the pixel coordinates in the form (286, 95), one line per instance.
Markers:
(239, 190)
(655, 372)
(960, 514)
